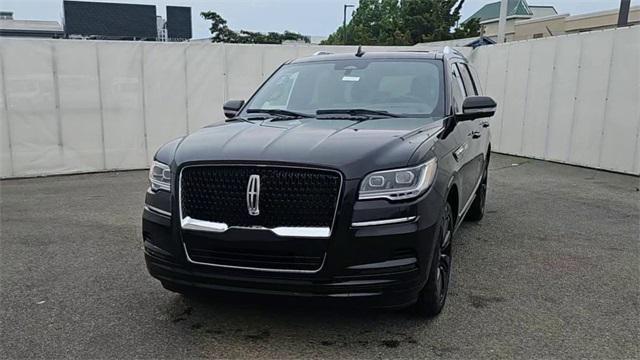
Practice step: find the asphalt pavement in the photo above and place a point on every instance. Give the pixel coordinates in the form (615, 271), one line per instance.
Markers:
(552, 271)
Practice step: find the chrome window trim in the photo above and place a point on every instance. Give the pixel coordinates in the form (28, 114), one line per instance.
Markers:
(324, 257)
(284, 231)
(154, 209)
(384, 222)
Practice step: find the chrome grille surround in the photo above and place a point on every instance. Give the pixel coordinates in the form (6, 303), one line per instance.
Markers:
(188, 223)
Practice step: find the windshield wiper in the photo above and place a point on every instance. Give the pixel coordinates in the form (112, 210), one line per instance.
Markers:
(279, 113)
(240, 118)
(357, 112)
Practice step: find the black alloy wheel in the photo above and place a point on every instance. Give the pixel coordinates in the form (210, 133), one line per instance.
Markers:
(434, 295)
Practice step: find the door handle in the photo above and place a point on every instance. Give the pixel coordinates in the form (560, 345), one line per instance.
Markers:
(475, 134)
(485, 124)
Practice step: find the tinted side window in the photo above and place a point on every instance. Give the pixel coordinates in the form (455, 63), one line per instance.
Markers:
(476, 82)
(457, 90)
(469, 86)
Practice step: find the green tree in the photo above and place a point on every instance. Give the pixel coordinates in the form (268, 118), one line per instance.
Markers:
(402, 22)
(470, 28)
(221, 33)
(219, 30)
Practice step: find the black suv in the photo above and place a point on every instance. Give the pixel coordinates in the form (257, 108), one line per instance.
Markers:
(343, 176)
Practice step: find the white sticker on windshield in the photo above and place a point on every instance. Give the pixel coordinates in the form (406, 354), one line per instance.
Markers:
(351, 78)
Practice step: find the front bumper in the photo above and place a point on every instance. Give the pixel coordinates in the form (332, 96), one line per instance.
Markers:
(378, 266)
(383, 290)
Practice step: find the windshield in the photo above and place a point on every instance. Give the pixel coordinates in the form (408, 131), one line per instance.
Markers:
(404, 87)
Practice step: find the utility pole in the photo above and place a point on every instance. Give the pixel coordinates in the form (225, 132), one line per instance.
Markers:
(502, 23)
(623, 14)
(344, 23)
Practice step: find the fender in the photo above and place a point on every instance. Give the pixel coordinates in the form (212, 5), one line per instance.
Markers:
(166, 153)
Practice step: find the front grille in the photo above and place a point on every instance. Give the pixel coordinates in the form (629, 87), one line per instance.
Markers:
(251, 258)
(289, 197)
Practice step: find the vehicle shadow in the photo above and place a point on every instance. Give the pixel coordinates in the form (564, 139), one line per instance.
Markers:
(300, 327)
(302, 322)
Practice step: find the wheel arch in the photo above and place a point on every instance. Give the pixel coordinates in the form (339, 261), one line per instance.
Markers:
(453, 199)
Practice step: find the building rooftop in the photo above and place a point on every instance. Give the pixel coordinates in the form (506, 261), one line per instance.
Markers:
(30, 25)
(515, 8)
(542, 11)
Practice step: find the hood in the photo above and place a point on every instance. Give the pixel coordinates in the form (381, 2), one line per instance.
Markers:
(353, 147)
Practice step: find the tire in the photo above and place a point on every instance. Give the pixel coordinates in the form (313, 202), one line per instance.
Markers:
(476, 211)
(434, 294)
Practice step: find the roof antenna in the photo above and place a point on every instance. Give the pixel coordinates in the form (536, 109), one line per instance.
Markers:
(359, 53)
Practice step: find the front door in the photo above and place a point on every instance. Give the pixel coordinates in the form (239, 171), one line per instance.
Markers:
(465, 152)
(479, 134)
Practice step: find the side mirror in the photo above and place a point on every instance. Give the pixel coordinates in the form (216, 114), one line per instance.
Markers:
(474, 107)
(232, 107)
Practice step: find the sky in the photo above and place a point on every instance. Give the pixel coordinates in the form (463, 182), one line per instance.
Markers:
(309, 17)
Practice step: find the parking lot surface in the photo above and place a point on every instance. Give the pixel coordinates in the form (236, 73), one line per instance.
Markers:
(551, 272)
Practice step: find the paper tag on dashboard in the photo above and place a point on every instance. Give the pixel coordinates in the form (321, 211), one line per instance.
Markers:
(351, 78)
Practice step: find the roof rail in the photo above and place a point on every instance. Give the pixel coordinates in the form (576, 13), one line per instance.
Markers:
(450, 50)
(322, 53)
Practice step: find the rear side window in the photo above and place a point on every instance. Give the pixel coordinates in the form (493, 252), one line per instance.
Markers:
(469, 85)
(457, 89)
(476, 81)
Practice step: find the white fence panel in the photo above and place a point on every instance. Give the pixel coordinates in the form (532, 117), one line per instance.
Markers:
(79, 92)
(622, 112)
(244, 70)
(165, 87)
(123, 111)
(5, 140)
(481, 67)
(513, 110)
(495, 85)
(75, 106)
(571, 99)
(567, 61)
(589, 108)
(33, 116)
(274, 57)
(536, 112)
(206, 84)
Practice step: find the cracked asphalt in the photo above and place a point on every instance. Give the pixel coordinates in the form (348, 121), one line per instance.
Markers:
(552, 271)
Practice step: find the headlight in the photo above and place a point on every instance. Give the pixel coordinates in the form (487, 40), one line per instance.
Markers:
(399, 184)
(160, 176)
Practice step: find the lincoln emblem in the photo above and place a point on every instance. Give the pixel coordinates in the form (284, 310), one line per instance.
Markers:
(253, 195)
